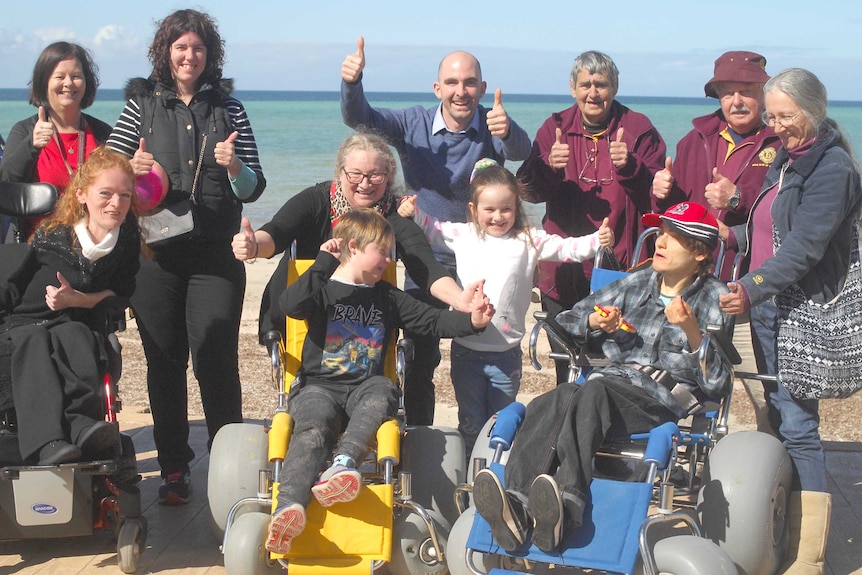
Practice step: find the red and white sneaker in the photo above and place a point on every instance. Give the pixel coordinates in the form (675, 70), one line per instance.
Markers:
(338, 484)
(286, 523)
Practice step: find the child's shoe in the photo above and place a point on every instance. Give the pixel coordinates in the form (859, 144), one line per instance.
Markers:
(287, 522)
(338, 484)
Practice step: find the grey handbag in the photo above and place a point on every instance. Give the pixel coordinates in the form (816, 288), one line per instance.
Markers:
(175, 220)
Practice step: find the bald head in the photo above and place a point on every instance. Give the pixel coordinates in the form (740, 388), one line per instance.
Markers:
(461, 60)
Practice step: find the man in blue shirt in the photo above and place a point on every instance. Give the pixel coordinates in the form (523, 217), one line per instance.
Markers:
(438, 148)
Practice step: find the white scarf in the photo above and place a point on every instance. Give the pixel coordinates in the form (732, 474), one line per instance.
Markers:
(91, 250)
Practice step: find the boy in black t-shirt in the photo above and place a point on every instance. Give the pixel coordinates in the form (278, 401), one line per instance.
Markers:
(352, 316)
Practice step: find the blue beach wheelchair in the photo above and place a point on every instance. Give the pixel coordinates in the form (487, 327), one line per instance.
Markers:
(719, 501)
(72, 499)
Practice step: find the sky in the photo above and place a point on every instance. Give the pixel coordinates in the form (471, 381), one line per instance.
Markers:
(662, 48)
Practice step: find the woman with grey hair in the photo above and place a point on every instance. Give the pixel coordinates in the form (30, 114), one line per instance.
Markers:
(799, 236)
(592, 161)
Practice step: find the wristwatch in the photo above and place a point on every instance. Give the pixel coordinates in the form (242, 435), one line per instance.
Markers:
(733, 201)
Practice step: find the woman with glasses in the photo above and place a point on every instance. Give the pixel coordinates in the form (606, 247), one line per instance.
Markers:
(592, 161)
(799, 236)
(364, 177)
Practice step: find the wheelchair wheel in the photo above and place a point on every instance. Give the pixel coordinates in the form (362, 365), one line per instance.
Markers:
(244, 551)
(456, 550)
(691, 555)
(435, 458)
(131, 540)
(413, 552)
(238, 452)
(742, 504)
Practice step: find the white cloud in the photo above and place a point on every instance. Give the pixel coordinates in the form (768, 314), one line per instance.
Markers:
(55, 34)
(114, 35)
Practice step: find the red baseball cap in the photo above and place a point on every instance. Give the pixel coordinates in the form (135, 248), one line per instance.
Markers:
(737, 67)
(689, 219)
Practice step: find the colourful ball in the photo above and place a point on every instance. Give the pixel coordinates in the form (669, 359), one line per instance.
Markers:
(151, 188)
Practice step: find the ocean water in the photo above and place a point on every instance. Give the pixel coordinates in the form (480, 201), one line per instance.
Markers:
(298, 133)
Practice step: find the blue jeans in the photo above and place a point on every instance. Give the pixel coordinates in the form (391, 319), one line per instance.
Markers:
(485, 382)
(321, 411)
(796, 422)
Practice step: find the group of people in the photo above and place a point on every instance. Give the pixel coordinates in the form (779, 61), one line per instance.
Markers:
(768, 173)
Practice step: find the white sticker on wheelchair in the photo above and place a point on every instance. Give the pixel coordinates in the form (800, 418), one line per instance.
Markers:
(44, 496)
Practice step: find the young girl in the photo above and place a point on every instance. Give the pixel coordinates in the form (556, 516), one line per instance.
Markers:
(497, 245)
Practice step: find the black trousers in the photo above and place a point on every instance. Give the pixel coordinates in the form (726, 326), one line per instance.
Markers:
(564, 428)
(190, 300)
(56, 383)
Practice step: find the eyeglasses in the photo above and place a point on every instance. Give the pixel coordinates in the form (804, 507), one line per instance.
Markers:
(357, 177)
(783, 121)
(592, 157)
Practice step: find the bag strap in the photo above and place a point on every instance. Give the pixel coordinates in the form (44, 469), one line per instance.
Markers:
(193, 196)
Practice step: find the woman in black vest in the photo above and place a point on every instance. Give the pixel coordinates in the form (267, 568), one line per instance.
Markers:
(189, 297)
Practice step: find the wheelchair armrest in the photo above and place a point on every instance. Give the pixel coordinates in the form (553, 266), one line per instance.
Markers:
(659, 443)
(111, 312)
(509, 419)
(20, 199)
(723, 344)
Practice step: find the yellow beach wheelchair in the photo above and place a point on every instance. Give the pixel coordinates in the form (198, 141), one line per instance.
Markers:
(398, 524)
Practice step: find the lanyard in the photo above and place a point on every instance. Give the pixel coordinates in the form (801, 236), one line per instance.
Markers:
(80, 146)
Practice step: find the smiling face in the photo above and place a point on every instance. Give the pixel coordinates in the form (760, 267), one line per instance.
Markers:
(67, 85)
(459, 87)
(594, 95)
(364, 194)
(496, 210)
(782, 107)
(188, 61)
(107, 201)
(369, 263)
(741, 103)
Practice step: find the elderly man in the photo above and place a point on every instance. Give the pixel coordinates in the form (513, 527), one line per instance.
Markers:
(723, 159)
(722, 162)
(438, 148)
(592, 161)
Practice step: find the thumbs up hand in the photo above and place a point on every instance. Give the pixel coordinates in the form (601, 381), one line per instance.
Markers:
(606, 234)
(498, 119)
(225, 155)
(559, 156)
(61, 297)
(142, 162)
(244, 244)
(43, 131)
(719, 191)
(619, 150)
(351, 68)
(662, 182)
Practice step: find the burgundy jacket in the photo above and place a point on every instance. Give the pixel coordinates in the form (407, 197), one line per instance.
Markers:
(695, 159)
(575, 207)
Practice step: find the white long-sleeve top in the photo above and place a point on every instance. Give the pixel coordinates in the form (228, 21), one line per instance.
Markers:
(507, 265)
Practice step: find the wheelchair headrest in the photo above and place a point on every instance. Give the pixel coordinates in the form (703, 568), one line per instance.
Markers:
(25, 199)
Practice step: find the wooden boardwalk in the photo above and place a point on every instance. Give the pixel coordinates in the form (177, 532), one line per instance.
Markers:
(180, 539)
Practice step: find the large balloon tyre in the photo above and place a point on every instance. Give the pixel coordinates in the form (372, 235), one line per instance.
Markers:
(413, 552)
(691, 555)
(244, 551)
(435, 458)
(131, 540)
(456, 550)
(238, 452)
(742, 503)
